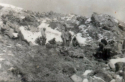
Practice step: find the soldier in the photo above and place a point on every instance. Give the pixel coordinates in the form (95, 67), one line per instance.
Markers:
(75, 42)
(43, 38)
(66, 36)
(100, 52)
(123, 46)
(107, 51)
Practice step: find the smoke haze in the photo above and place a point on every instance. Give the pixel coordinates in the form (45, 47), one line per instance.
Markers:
(115, 8)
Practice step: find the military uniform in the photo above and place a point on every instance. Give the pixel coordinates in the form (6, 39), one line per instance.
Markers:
(66, 38)
(123, 46)
(43, 38)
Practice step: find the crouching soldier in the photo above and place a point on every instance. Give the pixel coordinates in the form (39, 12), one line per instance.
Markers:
(100, 51)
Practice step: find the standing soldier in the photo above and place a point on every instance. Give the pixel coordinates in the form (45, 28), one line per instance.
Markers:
(123, 46)
(66, 36)
(43, 38)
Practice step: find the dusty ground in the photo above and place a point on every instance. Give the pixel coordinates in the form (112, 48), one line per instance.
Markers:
(94, 42)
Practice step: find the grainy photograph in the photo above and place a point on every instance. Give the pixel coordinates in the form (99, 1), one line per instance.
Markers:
(62, 41)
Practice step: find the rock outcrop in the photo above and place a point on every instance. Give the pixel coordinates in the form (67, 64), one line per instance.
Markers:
(54, 47)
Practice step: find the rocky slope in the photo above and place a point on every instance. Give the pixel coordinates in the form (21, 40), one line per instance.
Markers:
(53, 47)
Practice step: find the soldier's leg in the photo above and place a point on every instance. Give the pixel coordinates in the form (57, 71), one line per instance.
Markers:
(43, 40)
(67, 42)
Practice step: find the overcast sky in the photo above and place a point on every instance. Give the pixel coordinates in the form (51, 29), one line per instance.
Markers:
(80, 7)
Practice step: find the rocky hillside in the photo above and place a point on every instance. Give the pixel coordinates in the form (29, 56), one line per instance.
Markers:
(53, 47)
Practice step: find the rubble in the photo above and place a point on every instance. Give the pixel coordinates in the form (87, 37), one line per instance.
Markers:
(76, 78)
(112, 62)
(58, 47)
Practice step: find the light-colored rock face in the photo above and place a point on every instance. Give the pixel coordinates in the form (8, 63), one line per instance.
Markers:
(80, 39)
(85, 80)
(83, 30)
(50, 33)
(87, 72)
(1, 23)
(112, 62)
(116, 20)
(72, 33)
(113, 80)
(76, 78)
(68, 17)
(98, 79)
(29, 36)
(88, 20)
(15, 35)
(118, 78)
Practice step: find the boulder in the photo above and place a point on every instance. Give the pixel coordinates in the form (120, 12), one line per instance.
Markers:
(122, 25)
(112, 62)
(76, 78)
(98, 79)
(100, 34)
(29, 36)
(113, 80)
(119, 66)
(87, 72)
(104, 21)
(15, 35)
(103, 75)
(85, 80)
(119, 78)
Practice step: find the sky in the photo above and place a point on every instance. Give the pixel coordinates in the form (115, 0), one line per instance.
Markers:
(116, 8)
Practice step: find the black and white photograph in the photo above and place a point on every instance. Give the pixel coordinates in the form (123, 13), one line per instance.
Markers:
(62, 40)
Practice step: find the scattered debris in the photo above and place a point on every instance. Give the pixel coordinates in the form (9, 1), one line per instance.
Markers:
(52, 47)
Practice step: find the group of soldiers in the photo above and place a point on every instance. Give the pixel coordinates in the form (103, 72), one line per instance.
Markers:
(110, 48)
(66, 37)
(104, 51)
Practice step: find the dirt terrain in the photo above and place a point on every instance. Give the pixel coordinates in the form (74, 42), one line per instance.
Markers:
(53, 47)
